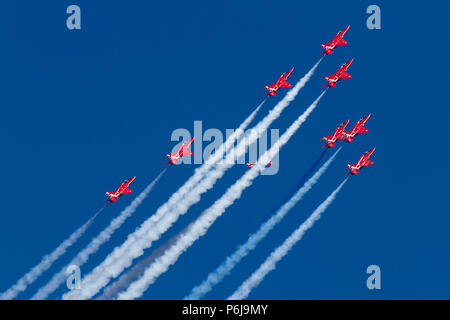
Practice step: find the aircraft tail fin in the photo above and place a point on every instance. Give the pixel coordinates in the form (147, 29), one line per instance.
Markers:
(352, 168)
(270, 88)
(327, 47)
(272, 93)
(171, 161)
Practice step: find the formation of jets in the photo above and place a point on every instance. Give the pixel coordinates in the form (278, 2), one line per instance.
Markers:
(348, 136)
(358, 128)
(339, 133)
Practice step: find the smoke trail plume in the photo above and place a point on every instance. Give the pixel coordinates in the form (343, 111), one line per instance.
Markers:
(136, 271)
(207, 218)
(243, 250)
(83, 256)
(178, 204)
(270, 264)
(47, 261)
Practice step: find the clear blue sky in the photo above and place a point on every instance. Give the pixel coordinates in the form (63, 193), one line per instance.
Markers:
(83, 110)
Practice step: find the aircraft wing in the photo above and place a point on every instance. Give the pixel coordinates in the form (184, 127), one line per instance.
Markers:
(285, 84)
(329, 44)
(186, 152)
(362, 130)
(346, 75)
(327, 138)
(127, 190)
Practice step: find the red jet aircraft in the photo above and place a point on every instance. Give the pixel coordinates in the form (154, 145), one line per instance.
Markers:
(182, 151)
(338, 134)
(357, 129)
(338, 40)
(340, 74)
(121, 190)
(362, 162)
(281, 83)
(251, 164)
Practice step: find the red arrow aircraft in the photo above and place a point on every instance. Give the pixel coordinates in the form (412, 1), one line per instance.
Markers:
(338, 134)
(340, 74)
(251, 164)
(121, 190)
(362, 162)
(338, 40)
(281, 83)
(357, 129)
(182, 151)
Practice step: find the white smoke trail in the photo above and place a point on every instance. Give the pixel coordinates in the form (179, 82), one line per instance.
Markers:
(83, 256)
(111, 291)
(243, 250)
(207, 218)
(178, 204)
(47, 261)
(194, 180)
(270, 264)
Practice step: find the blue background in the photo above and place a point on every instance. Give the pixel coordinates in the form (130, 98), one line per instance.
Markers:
(83, 110)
